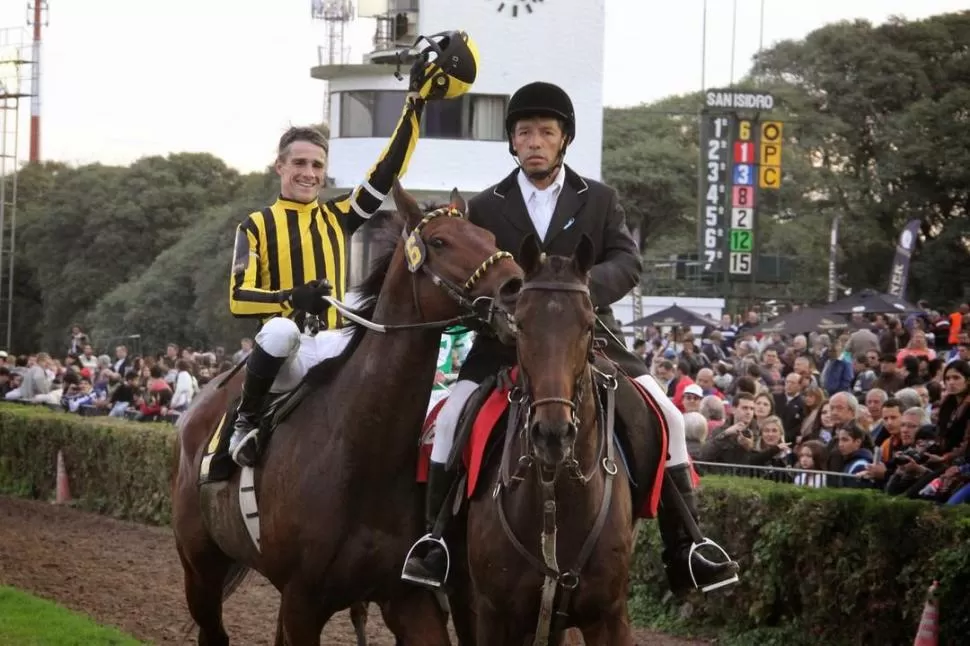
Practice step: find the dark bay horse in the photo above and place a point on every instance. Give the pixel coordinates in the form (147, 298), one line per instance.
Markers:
(549, 547)
(336, 487)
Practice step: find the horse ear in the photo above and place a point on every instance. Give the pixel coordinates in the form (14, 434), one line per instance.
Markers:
(456, 201)
(406, 205)
(584, 256)
(530, 254)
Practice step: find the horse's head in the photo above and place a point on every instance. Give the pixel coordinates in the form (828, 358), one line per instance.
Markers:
(456, 266)
(554, 316)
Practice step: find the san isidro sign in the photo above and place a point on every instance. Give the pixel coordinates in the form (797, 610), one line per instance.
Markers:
(732, 99)
(740, 158)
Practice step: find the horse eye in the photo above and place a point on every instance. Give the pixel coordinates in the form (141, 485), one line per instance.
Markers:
(437, 243)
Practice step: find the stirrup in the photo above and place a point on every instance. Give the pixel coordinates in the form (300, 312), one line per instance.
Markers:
(727, 559)
(250, 436)
(431, 583)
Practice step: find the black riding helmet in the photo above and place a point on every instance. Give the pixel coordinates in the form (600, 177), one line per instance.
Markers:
(454, 64)
(540, 99)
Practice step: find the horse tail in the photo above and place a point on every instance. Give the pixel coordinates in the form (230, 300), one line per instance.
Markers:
(234, 578)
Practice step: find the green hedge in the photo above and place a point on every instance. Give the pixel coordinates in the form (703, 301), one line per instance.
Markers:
(818, 566)
(115, 467)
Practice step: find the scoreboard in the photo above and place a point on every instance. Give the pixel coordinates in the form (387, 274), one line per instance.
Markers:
(741, 156)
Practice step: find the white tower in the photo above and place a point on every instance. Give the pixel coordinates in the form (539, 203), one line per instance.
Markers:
(463, 140)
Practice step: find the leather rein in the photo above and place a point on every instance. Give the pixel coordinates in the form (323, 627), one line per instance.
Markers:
(478, 309)
(553, 614)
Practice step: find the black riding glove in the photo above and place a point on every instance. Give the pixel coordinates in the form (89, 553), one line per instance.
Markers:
(427, 79)
(309, 297)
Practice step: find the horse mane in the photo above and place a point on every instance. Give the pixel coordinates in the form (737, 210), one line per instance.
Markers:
(386, 227)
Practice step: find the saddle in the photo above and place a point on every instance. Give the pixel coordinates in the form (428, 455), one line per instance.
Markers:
(217, 464)
(487, 409)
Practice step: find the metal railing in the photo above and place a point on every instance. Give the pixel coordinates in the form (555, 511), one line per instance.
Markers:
(790, 475)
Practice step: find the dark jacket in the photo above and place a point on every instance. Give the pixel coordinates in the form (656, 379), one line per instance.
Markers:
(584, 206)
(791, 413)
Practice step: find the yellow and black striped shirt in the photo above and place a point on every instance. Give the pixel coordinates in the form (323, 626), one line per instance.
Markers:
(288, 244)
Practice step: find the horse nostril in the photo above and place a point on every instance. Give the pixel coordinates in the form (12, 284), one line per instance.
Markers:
(547, 430)
(536, 430)
(571, 430)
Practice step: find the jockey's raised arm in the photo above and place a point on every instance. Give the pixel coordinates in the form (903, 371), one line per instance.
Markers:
(291, 254)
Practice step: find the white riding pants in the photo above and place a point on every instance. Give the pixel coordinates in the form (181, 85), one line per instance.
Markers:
(676, 431)
(446, 424)
(281, 337)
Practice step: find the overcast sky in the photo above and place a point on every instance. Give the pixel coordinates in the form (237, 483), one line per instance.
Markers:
(122, 78)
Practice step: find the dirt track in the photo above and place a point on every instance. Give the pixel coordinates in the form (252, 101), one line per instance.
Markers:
(128, 575)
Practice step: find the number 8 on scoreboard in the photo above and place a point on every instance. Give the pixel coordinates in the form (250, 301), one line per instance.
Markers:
(742, 197)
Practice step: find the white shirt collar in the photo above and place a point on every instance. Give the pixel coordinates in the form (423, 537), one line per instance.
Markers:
(529, 189)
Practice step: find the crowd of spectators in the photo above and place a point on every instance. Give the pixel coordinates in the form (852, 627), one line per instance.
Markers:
(883, 404)
(142, 388)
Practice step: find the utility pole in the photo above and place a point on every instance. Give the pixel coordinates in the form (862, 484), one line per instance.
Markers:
(704, 49)
(37, 17)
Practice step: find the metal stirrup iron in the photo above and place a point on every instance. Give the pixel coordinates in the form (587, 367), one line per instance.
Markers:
(698, 540)
(690, 565)
(432, 540)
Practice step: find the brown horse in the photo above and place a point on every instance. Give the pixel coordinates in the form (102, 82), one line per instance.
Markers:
(550, 546)
(336, 486)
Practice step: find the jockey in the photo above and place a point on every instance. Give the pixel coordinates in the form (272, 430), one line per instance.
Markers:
(290, 255)
(546, 197)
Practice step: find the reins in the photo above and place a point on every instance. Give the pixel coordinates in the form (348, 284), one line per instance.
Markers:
(558, 581)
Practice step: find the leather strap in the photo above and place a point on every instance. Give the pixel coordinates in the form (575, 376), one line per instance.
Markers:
(569, 580)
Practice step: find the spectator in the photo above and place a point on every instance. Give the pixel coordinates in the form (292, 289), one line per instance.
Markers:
(712, 408)
(855, 457)
(811, 457)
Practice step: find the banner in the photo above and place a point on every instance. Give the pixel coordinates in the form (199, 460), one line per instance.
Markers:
(899, 273)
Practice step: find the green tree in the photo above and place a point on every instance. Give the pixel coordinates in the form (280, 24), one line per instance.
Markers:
(650, 157)
(96, 227)
(183, 296)
(885, 110)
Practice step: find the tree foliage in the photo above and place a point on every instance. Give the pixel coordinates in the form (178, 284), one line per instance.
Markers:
(85, 231)
(650, 156)
(875, 131)
(884, 109)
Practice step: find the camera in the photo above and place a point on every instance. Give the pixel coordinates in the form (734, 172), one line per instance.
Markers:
(915, 455)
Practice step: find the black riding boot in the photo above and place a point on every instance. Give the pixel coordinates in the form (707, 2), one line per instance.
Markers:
(677, 540)
(261, 371)
(430, 570)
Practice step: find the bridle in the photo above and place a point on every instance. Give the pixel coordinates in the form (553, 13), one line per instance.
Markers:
(572, 404)
(480, 309)
(559, 583)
